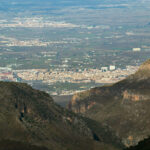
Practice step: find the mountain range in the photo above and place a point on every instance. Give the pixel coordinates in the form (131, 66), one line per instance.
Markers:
(123, 106)
(112, 117)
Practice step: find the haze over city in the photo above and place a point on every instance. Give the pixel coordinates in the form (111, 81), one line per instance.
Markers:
(74, 75)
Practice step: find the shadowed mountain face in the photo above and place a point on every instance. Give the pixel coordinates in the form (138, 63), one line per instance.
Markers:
(30, 117)
(14, 145)
(124, 107)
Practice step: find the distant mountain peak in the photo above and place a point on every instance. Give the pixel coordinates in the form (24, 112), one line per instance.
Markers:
(144, 71)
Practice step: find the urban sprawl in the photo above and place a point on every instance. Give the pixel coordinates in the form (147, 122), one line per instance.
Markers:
(104, 75)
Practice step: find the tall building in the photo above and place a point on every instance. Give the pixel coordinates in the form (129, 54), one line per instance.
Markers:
(112, 67)
(136, 49)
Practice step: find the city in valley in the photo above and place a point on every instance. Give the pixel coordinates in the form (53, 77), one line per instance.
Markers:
(105, 75)
(74, 74)
(67, 48)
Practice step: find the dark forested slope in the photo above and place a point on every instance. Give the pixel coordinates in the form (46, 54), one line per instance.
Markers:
(30, 117)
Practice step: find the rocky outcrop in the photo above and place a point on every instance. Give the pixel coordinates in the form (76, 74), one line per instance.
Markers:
(143, 145)
(133, 96)
(77, 102)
